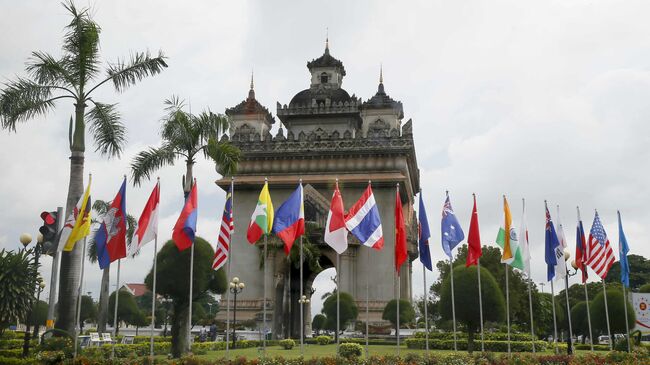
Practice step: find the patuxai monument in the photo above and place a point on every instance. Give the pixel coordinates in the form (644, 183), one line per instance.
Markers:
(325, 133)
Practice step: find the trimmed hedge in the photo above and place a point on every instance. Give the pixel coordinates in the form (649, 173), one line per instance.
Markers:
(350, 350)
(586, 346)
(496, 346)
(489, 336)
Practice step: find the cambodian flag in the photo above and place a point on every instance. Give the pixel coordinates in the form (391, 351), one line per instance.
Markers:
(364, 222)
(289, 220)
(185, 227)
(110, 238)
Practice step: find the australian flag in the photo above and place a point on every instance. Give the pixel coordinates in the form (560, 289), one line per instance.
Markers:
(452, 233)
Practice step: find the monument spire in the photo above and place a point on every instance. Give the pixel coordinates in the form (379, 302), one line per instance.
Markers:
(251, 92)
(380, 88)
(327, 40)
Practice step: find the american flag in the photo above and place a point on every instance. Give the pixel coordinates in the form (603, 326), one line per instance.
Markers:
(599, 254)
(225, 233)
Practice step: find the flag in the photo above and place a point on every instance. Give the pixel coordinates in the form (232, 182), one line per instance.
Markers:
(110, 238)
(601, 256)
(147, 230)
(552, 252)
(623, 249)
(262, 218)
(452, 233)
(581, 249)
(525, 244)
(560, 269)
(508, 241)
(400, 233)
(424, 236)
(474, 250)
(336, 235)
(225, 232)
(289, 221)
(185, 227)
(77, 226)
(364, 222)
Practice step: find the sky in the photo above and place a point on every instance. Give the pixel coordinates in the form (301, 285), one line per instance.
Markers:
(542, 100)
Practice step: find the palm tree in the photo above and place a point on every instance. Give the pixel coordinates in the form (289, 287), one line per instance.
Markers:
(186, 135)
(101, 207)
(68, 78)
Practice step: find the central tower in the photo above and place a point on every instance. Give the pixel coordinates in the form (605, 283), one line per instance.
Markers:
(329, 135)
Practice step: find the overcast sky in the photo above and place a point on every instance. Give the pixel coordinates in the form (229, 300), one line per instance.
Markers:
(532, 99)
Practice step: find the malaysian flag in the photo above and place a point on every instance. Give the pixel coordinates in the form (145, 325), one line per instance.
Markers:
(600, 256)
(225, 233)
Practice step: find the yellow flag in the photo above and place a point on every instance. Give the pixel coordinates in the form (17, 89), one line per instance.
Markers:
(81, 227)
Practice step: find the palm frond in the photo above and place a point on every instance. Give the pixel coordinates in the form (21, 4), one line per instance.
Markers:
(24, 99)
(211, 125)
(108, 131)
(46, 70)
(124, 74)
(146, 162)
(178, 128)
(224, 154)
(81, 43)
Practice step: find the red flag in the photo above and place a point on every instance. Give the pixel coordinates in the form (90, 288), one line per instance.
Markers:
(400, 234)
(185, 227)
(474, 251)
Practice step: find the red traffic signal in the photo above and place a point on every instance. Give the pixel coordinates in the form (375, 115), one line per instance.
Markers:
(48, 217)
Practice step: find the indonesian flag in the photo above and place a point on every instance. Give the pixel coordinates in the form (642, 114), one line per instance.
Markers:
(336, 234)
(148, 223)
(262, 218)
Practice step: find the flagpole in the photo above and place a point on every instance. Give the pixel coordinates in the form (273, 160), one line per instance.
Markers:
(530, 307)
(367, 299)
(302, 305)
(554, 318)
(622, 252)
(568, 308)
(426, 314)
(508, 307)
(398, 297)
(338, 300)
(189, 312)
(153, 296)
(627, 326)
(609, 331)
(117, 300)
(453, 302)
(78, 316)
(480, 302)
(527, 266)
(230, 255)
(591, 337)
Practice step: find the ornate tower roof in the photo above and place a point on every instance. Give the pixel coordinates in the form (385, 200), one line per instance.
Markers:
(381, 100)
(250, 106)
(326, 60)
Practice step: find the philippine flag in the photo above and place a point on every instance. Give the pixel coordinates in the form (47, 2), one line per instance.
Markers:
(148, 223)
(289, 220)
(336, 235)
(110, 238)
(185, 227)
(364, 222)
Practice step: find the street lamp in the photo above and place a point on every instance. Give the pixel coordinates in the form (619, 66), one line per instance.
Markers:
(303, 300)
(236, 287)
(567, 255)
(26, 239)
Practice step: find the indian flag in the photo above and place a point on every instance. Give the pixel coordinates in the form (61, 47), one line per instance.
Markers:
(262, 218)
(507, 240)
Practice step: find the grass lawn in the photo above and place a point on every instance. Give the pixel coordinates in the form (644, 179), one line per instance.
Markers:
(327, 350)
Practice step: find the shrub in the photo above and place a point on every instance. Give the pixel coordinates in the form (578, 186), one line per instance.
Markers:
(350, 350)
(17, 361)
(50, 357)
(11, 353)
(586, 346)
(496, 346)
(323, 340)
(58, 344)
(287, 344)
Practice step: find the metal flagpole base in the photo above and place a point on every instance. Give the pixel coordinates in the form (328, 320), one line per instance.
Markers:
(609, 331)
(453, 302)
(78, 317)
(117, 301)
(554, 319)
(480, 303)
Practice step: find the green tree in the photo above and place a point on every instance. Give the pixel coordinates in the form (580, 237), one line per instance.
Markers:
(466, 299)
(639, 272)
(186, 135)
(70, 78)
(645, 288)
(173, 272)
(432, 310)
(38, 314)
(126, 308)
(100, 207)
(616, 313)
(543, 312)
(318, 323)
(140, 319)
(18, 274)
(577, 292)
(348, 311)
(579, 320)
(88, 311)
(406, 313)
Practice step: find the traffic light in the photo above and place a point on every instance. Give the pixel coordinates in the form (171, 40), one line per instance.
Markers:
(49, 231)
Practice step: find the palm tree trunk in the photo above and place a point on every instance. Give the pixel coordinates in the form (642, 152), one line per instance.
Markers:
(70, 265)
(102, 314)
(189, 177)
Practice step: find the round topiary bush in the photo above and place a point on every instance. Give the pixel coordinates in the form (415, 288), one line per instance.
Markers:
(350, 350)
(288, 343)
(323, 340)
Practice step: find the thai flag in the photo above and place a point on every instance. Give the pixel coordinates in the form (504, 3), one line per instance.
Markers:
(110, 238)
(185, 227)
(364, 222)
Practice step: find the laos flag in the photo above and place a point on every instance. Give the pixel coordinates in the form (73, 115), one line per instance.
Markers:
(110, 238)
(289, 220)
(185, 227)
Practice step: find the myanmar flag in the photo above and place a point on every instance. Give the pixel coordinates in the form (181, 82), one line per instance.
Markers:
(507, 240)
(262, 218)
